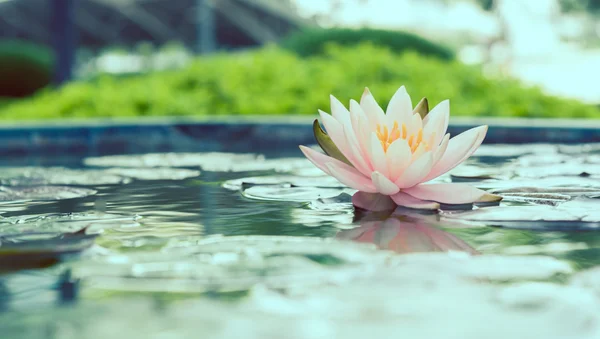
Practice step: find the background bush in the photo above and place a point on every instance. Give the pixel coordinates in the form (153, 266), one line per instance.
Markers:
(275, 81)
(24, 68)
(314, 41)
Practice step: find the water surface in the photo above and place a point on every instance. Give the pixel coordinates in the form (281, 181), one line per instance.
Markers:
(223, 246)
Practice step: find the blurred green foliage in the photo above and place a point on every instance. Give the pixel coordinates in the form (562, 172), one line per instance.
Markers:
(24, 68)
(314, 41)
(274, 81)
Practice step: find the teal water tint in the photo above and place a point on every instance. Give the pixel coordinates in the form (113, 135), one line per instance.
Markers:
(159, 239)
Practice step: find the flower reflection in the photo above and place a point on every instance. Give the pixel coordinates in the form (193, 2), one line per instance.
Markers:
(406, 235)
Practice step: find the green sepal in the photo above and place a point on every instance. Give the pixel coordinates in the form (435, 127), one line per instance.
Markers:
(422, 108)
(327, 144)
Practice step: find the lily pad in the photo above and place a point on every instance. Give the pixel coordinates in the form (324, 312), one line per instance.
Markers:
(579, 214)
(301, 194)
(478, 172)
(337, 211)
(65, 222)
(299, 181)
(43, 193)
(172, 160)
(562, 169)
(510, 151)
(28, 250)
(572, 185)
(27, 176)
(212, 162)
(234, 263)
(156, 173)
(536, 198)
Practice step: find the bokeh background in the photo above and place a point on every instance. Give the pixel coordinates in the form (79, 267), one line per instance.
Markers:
(137, 58)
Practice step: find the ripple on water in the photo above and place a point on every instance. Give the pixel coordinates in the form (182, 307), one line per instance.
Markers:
(309, 287)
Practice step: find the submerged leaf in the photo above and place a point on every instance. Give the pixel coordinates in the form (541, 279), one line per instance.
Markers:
(41, 249)
(422, 108)
(327, 144)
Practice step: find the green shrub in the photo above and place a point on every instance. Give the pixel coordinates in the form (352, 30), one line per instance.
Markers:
(24, 68)
(273, 81)
(314, 41)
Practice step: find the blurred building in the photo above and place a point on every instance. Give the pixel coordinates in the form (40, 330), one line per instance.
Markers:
(101, 23)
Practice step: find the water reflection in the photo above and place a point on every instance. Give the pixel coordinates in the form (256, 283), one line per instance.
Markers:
(405, 234)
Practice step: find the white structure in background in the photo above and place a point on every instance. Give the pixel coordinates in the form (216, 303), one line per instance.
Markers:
(530, 26)
(527, 34)
(538, 56)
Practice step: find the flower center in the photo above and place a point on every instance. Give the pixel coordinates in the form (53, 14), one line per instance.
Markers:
(387, 137)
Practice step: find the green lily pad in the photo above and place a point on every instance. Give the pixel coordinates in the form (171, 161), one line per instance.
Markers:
(300, 194)
(291, 180)
(43, 193)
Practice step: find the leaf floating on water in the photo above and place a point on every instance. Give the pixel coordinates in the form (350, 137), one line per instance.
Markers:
(537, 198)
(578, 214)
(156, 173)
(211, 162)
(151, 160)
(43, 193)
(26, 176)
(566, 185)
(291, 180)
(510, 151)
(477, 172)
(41, 249)
(300, 194)
(66, 222)
(559, 170)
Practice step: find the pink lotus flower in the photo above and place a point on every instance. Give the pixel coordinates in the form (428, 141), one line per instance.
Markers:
(388, 157)
(406, 236)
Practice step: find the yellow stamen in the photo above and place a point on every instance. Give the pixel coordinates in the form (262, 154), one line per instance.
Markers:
(415, 142)
(395, 133)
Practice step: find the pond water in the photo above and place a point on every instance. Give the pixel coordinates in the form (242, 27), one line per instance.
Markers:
(237, 245)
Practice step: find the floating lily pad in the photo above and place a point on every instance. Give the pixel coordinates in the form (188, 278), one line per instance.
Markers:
(65, 222)
(572, 185)
(156, 173)
(562, 169)
(278, 165)
(299, 181)
(589, 279)
(342, 202)
(383, 302)
(337, 211)
(172, 160)
(232, 264)
(303, 194)
(572, 215)
(509, 150)
(27, 250)
(43, 193)
(535, 160)
(213, 162)
(536, 198)
(477, 172)
(25, 176)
